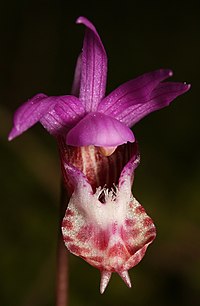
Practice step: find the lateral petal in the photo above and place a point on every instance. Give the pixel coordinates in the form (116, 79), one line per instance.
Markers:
(160, 97)
(94, 67)
(132, 93)
(99, 130)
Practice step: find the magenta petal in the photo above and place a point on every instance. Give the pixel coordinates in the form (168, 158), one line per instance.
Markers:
(160, 97)
(133, 92)
(165, 92)
(29, 113)
(66, 113)
(56, 114)
(99, 130)
(94, 67)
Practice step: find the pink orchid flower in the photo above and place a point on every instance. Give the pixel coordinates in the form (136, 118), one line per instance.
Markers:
(87, 117)
(103, 223)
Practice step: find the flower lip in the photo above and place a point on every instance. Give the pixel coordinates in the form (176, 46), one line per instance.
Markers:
(99, 130)
(112, 236)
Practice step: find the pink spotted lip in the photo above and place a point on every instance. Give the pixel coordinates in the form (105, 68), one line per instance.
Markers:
(108, 228)
(110, 238)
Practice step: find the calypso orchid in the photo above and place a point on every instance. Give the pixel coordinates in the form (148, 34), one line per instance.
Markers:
(103, 223)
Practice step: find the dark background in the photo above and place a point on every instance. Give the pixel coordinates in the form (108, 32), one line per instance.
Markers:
(39, 46)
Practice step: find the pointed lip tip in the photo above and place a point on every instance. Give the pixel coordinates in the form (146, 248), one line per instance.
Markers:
(105, 278)
(126, 278)
(129, 285)
(102, 290)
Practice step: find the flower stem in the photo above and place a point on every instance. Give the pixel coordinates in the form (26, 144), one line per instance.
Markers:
(62, 258)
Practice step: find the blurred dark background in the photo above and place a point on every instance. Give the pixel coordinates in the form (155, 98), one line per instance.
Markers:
(39, 46)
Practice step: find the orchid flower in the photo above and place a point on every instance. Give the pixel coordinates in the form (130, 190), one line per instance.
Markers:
(103, 223)
(87, 117)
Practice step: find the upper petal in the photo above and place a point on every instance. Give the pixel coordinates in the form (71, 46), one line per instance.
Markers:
(93, 68)
(99, 130)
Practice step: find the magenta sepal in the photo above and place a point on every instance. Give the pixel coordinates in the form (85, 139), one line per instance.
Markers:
(122, 108)
(56, 114)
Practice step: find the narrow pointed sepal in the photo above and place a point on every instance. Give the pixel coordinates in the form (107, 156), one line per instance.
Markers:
(93, 67)
(105, 278)
(125, 277)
